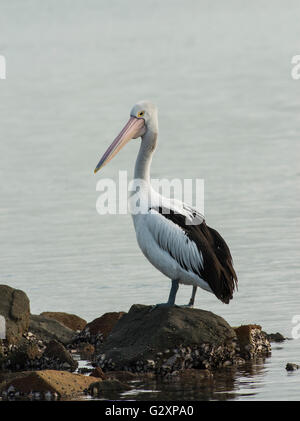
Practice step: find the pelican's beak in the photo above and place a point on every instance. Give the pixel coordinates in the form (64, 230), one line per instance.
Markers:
(134, 128)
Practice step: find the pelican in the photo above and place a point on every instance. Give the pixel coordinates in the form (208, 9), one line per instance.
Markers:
(172, 235)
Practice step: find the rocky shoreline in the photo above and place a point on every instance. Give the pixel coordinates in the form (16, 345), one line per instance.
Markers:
(38, 356)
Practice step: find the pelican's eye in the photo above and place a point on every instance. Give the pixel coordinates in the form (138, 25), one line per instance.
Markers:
(141, 113)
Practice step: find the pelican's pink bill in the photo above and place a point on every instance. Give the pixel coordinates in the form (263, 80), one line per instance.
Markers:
(133, 129)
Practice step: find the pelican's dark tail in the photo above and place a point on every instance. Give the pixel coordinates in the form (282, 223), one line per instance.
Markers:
(218, 267)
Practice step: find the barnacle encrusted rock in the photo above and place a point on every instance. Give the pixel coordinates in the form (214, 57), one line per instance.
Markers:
(253, 341)
(168, 338)
(33, 354)
(61, 355)
(97, 330)
(45, 384)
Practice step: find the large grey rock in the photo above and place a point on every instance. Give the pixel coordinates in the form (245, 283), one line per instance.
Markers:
(48, 329)
(14, 307)
(167, 339)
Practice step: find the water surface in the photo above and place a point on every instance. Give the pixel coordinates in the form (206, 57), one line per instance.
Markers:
(220, 74)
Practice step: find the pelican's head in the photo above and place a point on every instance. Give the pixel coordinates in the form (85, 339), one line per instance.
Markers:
(147, 111)
(143, 119)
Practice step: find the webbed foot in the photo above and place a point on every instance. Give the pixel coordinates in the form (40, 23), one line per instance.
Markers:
(163, 305)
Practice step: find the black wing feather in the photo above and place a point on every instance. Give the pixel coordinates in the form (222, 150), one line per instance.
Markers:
(217, 268)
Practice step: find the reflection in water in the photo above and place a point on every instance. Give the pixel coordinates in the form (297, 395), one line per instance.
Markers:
(192, 384)
(228, 383)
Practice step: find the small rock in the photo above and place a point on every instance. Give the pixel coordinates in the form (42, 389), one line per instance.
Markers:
(104, 324)
(97, 372)
(291, 367)
(48, 329)
(97, 331)
(252, 341)
(86, 350)
(23, 356)
(275, 337)
(106, 387)
(57, 351)
(69, 320)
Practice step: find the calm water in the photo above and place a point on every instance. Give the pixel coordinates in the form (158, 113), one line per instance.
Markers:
(228, 112)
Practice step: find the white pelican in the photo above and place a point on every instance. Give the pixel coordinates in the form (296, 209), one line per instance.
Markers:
(173, 236)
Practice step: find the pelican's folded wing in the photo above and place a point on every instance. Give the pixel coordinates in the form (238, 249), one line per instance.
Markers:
(196, 247)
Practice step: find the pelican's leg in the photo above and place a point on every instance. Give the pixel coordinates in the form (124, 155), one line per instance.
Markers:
(192, 300)
(172, 296)
(173, 292)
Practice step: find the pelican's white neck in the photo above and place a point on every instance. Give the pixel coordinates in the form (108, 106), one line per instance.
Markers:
(144, 158)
